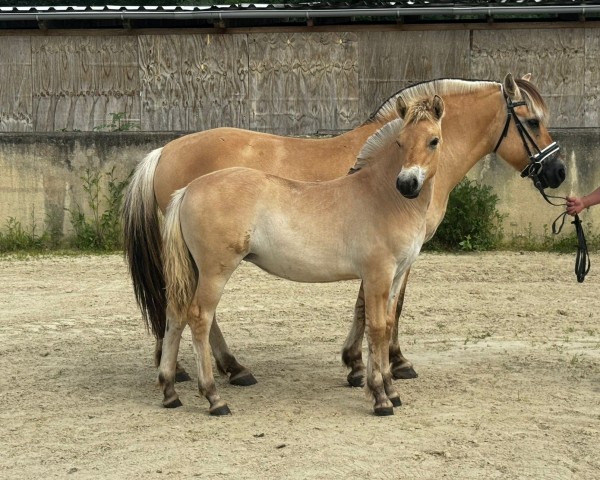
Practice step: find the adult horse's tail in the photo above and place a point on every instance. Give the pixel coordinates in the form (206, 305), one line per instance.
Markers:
(143, 244)
(179, 268)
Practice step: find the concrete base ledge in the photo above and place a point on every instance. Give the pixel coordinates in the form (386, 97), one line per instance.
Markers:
(40, 175)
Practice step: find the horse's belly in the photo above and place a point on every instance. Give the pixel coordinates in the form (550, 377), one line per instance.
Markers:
(303, 267)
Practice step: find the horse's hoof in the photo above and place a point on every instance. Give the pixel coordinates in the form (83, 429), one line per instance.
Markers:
(404, 372)
(396, 402)
(355, 380)
(383, 411)
(220, 411)
(173, 403)
(243, 379)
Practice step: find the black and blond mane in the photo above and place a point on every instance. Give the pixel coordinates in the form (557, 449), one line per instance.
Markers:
(454, 86)
(418, 110)
(534, 100)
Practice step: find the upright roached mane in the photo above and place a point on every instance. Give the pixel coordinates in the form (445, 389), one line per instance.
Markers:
(452, 86)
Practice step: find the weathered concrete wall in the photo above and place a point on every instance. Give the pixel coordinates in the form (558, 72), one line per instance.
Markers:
(40, 175)
(527, 210)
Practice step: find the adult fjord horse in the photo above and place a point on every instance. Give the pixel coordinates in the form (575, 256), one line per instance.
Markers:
(357, 226)
(477, 116)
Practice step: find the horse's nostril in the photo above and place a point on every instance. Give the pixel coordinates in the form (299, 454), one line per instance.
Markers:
(562, 174)
(409, 188)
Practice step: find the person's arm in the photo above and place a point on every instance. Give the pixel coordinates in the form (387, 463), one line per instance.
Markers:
(577, 204)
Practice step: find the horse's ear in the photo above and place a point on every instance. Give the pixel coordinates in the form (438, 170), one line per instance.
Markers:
(401, 107)
(438, 107)
(510, 87)
(526, 77)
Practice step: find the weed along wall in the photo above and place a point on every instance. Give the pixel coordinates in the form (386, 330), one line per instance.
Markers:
(43, 177)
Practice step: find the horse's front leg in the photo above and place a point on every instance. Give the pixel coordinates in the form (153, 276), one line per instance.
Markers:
(402, 367)
(378, 326)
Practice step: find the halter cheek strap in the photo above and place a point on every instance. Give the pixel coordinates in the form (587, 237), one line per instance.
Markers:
(535, 159)
(509, 114)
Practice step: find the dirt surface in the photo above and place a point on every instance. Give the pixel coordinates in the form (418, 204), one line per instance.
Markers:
(507, 347)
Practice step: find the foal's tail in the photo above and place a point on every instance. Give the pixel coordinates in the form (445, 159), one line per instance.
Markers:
(180, 269)
(143, 244)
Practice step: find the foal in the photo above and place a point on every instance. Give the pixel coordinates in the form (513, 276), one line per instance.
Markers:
(369, 225)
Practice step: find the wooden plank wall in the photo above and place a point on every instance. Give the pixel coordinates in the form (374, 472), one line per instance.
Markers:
(193, 82)
(303, 82)
(78, 81)
(556, 59)
(390, 62)
(15, 87)
(286, 83)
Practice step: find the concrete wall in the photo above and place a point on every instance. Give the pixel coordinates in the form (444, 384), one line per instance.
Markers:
(40, 175)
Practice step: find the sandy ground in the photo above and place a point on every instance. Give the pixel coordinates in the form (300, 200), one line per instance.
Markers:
(507, 347)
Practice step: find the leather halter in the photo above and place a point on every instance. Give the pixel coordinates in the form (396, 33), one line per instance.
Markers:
(533, 170)
(537, 156)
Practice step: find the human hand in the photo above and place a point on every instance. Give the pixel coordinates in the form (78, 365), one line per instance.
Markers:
(574, 205)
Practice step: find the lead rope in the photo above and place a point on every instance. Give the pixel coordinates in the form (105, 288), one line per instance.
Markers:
(582, 258)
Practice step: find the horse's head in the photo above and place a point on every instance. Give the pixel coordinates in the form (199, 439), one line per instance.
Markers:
(420, 141)
(525, 142)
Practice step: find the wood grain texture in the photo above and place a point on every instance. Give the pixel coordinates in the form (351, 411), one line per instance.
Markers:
(193, 82)
(303, 82)
(390, 61)
(15, 91)
(554, 57)
(592, 78)
(79, 81)
(282, 82)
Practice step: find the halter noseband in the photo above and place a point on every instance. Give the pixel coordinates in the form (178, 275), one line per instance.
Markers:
(536, 160)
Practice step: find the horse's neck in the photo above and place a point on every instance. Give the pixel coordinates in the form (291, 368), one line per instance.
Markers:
(471, 127)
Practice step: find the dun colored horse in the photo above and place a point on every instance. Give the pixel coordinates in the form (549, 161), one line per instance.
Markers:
(358, 226)
(478, 116)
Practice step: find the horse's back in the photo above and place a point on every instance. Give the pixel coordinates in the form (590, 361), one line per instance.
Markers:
(197, 154)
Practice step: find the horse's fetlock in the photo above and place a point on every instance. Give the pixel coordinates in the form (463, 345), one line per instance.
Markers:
(350, 357)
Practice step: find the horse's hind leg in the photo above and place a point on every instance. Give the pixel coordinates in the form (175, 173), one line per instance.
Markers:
(180, 374)
(201, 314)
(168, 362)
(352, 351)
(226, 362)
(402, 368)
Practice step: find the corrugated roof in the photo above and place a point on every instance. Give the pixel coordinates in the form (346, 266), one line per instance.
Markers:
(259, 13)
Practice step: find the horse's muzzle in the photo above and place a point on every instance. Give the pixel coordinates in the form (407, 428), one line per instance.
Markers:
(553, 172)
(409, 186)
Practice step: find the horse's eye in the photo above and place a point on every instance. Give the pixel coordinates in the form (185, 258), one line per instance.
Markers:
(533, 123)
(434, 143)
